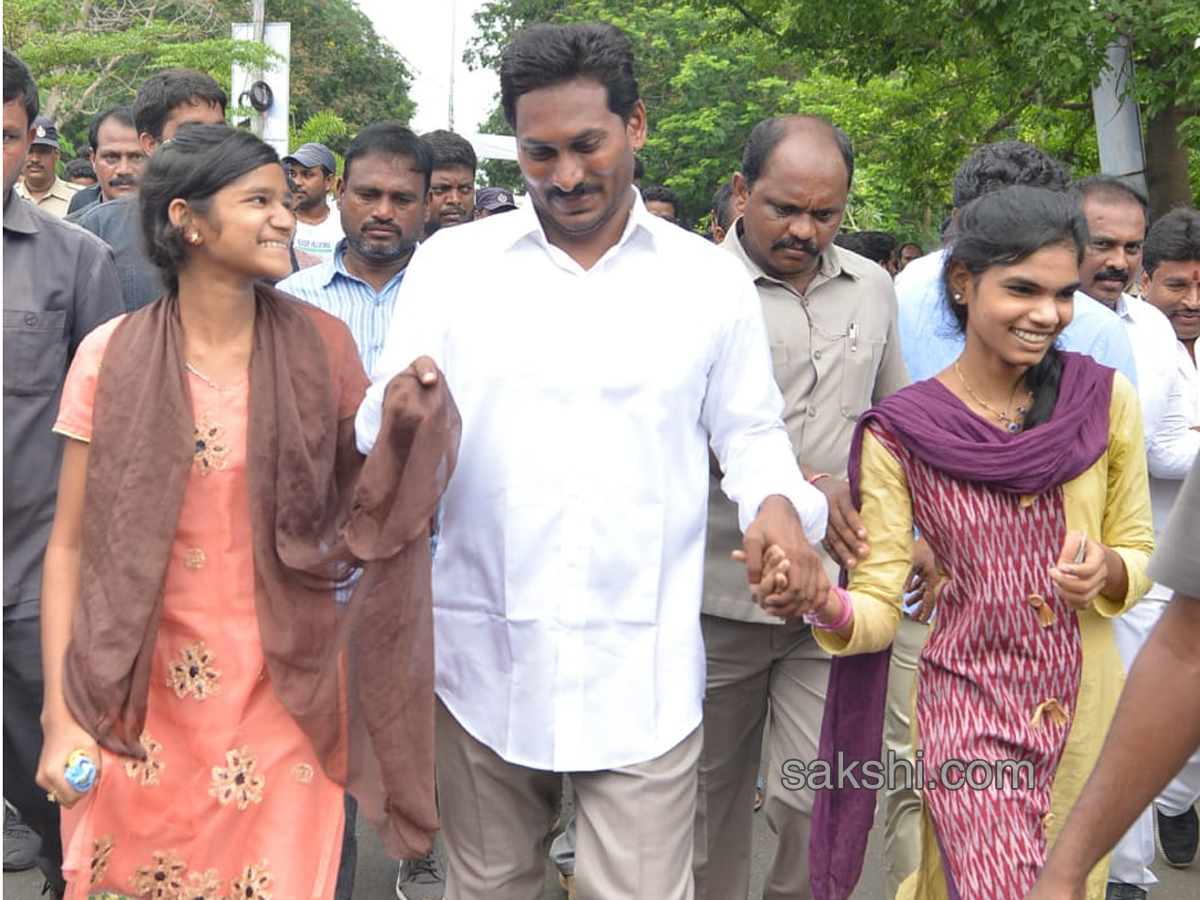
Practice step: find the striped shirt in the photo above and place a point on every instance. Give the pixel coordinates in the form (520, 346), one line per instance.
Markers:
(366, 312)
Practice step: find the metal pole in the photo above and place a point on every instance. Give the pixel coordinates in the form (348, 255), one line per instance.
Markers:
(258, 13)
(453, 32)
(1118, 124)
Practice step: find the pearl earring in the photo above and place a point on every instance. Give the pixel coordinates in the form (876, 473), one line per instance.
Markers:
(957, 298)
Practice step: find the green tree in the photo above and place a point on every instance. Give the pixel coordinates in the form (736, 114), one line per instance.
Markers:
(1028, 59)
(707, 77)
(88, 54)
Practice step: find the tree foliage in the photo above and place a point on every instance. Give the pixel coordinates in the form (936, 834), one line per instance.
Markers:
(88, 54)
(917, 84)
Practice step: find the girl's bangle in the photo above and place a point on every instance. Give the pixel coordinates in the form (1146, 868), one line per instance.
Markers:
(818, 476)
(843, 618)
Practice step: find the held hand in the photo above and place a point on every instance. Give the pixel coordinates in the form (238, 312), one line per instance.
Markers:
(1079, 583)
(425, 369)
(804, 584)
(846, 536)
(774, 573)
(61, 736)
(923, 582)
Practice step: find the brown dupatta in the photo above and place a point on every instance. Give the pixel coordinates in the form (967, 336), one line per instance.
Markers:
(358, 681)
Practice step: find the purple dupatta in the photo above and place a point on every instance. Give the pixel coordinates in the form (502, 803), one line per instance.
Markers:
(941, 431)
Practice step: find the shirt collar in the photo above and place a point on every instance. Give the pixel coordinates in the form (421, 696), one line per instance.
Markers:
(524, 224)
(830, 262)
(18, 215)
(338, 267)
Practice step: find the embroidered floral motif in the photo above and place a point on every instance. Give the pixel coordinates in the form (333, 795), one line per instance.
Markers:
(163, 879)
(192, 672)
(303, 773)
(203, 886)
(212, 452)
(237, 781)
(194, 558)
(254, 883)
(102, 848)
(146, 769)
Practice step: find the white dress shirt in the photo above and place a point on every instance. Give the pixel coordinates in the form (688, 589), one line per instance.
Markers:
(1153, 340)
(568, 577)
(1174, 447)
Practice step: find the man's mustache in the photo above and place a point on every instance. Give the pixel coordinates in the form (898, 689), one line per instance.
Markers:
(580, 190)
(792, 243)
(122, 181)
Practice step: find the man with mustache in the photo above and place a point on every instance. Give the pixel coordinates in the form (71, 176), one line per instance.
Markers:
(831, 323)
(382, 203)
(312, 170)
(42, 185)
(452, 187)
(595, 352)
(117, 156)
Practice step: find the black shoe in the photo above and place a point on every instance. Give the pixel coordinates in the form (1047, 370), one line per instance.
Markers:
(1118, 890)
(1177, 837)
(20, 843)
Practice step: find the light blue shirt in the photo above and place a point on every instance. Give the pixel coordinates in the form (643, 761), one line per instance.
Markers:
(931, 340)
(366, 312)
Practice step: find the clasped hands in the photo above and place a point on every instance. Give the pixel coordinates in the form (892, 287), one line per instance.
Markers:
(784, 571)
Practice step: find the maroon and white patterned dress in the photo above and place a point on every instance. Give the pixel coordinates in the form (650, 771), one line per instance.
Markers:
(999, 676)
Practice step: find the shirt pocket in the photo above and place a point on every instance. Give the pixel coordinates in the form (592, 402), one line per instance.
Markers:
(860, 365)
(35, 351)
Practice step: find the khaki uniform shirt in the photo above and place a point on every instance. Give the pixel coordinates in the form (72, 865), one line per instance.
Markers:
(56, 201)
(836, 351)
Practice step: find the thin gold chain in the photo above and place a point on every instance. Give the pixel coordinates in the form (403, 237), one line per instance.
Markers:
(1012, 424)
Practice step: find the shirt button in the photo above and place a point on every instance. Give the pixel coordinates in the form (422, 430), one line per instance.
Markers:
(812, 412)
(30, 319)
(194, 558)
(816, 354)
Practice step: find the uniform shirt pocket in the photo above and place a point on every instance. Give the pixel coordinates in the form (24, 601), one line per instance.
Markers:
(860, 365)
(35, 351)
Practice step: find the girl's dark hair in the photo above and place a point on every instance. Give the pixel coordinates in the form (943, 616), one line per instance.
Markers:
(1001, 228)
(196, 163)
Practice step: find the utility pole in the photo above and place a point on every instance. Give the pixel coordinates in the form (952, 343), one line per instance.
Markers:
(258, 15)
(453, 41)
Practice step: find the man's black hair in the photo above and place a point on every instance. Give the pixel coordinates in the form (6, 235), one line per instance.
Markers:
(390, 140)
(663, 194)
(1174, 237)
(18, 82)
(163, 92)
(1111, 189)
(122, 113)
(545, 55)
(767, 134)
(1003, 163)
(722, 205)
(450, 150)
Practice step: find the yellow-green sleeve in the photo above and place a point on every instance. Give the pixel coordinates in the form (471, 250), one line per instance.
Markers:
(1127, 526)
(877, 582)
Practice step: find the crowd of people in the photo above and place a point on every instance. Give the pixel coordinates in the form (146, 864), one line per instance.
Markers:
(340, 488)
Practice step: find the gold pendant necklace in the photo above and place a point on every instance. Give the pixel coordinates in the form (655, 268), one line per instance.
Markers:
(1011, 424)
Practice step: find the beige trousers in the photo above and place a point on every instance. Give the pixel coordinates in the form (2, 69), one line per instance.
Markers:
(901, 804)
(633, 826)
(756, 671)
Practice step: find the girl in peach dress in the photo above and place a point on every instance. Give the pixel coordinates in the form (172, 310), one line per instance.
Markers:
(210, 783)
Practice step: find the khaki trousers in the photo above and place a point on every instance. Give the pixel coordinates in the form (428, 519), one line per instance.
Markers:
(902, 804)
(756, 671)
(633, 826)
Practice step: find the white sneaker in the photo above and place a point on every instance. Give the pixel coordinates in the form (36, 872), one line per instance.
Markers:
(420, 879)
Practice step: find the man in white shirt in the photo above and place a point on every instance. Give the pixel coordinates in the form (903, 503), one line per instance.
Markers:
(1117, 216)
(313, 170)
(594, 353)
